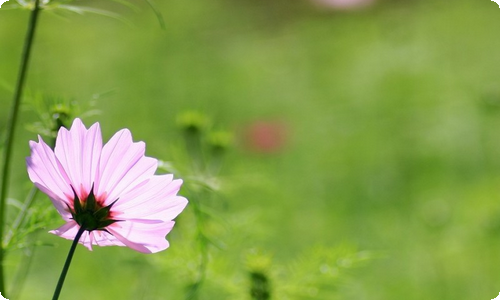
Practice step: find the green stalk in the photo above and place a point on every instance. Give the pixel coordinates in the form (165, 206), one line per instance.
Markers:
(26, 206)
(11, 126)
(23, 269)
(67, 263)
(20, 217)
(194, 288)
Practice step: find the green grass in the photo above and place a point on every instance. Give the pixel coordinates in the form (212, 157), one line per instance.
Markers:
(392, 112)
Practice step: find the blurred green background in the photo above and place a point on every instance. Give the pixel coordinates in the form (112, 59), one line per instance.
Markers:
(387, 118)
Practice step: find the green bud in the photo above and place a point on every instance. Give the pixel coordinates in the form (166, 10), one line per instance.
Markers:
(220, 140)
(192, 121)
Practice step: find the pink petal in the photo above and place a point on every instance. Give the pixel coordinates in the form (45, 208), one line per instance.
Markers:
(123, 166)
(96, 237)
(156, 200)
(48, 175)
(79, 150)
(102, 238)
(145, 237)
(86, 240)
(67, 231)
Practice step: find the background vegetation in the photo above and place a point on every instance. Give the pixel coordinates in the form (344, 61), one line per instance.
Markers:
(388, 124)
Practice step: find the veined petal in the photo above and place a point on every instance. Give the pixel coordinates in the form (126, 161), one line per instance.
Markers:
(48, 174)
(60, 205)
(67, 231)
(145, 237)
(86, 240)
(78, 150)
(123, 166)
(97, 237)
(155, 200)
(103, 238)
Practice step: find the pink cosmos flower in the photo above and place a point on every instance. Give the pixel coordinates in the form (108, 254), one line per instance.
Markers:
(110, 191)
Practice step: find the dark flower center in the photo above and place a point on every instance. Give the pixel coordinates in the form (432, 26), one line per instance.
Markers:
(91, 214)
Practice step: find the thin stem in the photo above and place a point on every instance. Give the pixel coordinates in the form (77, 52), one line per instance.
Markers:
(20, 217)
(22, 270)
(26, 206)
(67, 263)
(194, 289)
(23, 267)
(202, 238)
(11, 126)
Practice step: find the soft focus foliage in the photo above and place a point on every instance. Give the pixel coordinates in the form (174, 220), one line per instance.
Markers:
(392, 115)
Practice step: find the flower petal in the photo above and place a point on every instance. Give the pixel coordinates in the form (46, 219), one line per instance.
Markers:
(103, 238)
(123, 167)
(155, 200)
(69, 232)
(145, 237)
(48, 175)
(78, 151)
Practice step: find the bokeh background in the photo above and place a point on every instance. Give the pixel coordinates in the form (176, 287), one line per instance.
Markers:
(374, 126)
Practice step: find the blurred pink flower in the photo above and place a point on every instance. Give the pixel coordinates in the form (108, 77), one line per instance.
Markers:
(266, 136)
(344, 4)
(111, 191)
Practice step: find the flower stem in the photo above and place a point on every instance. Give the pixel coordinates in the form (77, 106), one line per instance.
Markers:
(67, 263)
(23, 269)
(194, 288)
(11, 126)
(20, 217)
(24, 210)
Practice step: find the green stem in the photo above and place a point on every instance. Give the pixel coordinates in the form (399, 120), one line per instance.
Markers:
(20, 217)
(194, 289)
(23, 269)
(67, 263)
(11, 126)
(26, 206)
